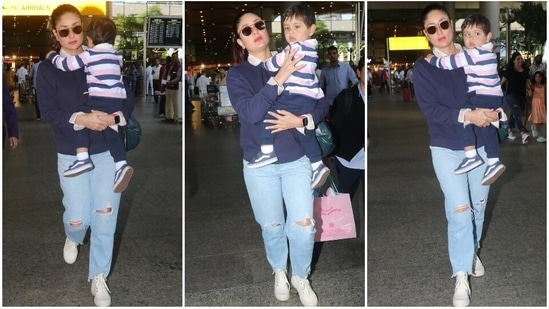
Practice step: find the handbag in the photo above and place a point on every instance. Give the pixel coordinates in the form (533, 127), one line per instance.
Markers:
(325, 138)
(503, 130)
(131, 133)
(333, 215)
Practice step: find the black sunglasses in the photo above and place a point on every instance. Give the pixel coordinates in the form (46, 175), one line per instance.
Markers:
(259, 25)
(443, 25)
(65, 32)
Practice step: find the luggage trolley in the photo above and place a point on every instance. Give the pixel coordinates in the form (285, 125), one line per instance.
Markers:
(225, 111)
(209, 103)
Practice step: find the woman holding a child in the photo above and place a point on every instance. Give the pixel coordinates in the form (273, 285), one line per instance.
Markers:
(287, 182)
(88, 199)
(441, 95)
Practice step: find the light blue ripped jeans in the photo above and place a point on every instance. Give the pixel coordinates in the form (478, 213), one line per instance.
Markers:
(269, 189)
(89, 199)
(464, 227)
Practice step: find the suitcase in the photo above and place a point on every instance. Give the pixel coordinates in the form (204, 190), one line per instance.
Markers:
(406, 94)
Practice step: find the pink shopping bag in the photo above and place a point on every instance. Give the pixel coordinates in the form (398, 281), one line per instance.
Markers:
(333, 216)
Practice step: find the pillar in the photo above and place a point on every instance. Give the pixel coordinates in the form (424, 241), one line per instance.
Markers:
(491, 11)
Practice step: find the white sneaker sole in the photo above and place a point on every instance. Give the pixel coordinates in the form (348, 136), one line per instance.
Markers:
(124, 180)
(322, 179)
(490, 180)
(77, 171)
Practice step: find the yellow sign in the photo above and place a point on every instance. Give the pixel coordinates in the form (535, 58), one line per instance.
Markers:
(408, 43)
(44, 8)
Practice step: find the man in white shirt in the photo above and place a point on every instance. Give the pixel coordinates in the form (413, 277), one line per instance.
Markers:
(149, 88)
(22, 74)
(156, 78)
(202, 82)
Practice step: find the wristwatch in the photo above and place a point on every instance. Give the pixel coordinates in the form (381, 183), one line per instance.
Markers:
(305, 121)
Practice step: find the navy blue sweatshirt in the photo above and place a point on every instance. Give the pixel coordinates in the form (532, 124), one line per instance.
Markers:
(60, 94)
(441, 94)
(251, 97)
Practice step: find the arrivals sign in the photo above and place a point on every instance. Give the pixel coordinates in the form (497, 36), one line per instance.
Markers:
(44, 8)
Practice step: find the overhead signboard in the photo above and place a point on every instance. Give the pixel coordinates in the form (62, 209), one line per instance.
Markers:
(44, 8)
(408, 43)
(165, 32)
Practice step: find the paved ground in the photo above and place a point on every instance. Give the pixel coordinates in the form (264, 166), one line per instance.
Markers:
(147, 268)
(225, 262)
(407, 249)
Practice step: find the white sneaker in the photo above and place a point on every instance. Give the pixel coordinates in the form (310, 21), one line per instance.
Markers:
(100, 291)
(478, 268)
(525, 138)
(282, 286)
(70, 251)
(511, 136)
(462, 292)
(534, 131)
(306, 294)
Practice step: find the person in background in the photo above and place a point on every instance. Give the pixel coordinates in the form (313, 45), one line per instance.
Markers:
(171, 80)
(32, 75)
(537, 66)
(156, 79)
(9, 74)
(140, 78)
(222, 77)
(538, 116)
(347, 119)
(514, 83)
(162, 93)
(10, 129)
(336, 76)
(22, 74)
(149, 89)
(202, 82)
(410, 81)
(384, 80)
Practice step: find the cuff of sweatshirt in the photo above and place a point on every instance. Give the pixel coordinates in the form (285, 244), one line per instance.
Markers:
(73, 121)
(272, 82)
(461, 116)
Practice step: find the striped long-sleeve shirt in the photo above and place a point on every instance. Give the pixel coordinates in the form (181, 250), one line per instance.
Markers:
(303, 81)
(103, 69)
(480, 65)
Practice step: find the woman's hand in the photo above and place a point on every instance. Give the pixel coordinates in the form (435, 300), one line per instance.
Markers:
(481, 117)
(96, 120)
(289, 66)
(284, 120)
(14, 141)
